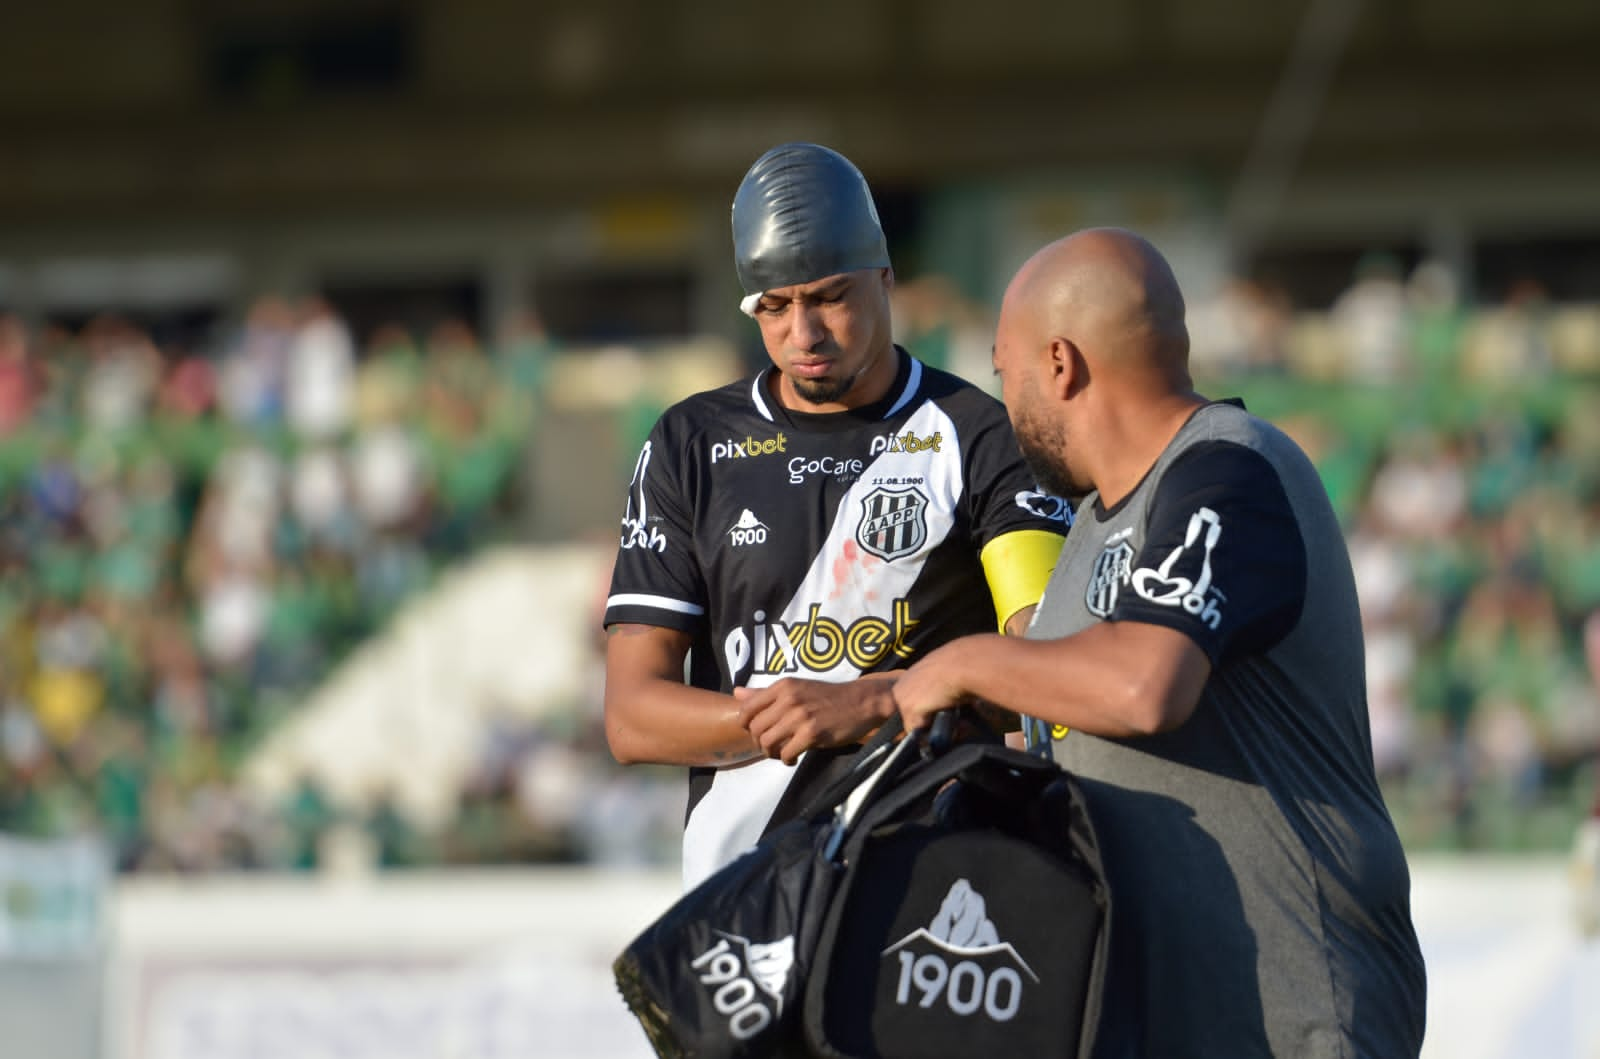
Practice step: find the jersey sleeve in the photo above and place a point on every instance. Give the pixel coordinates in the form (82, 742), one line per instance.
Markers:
(657, 578)
(1222, 560)
(1001, 493)
(1018, 528)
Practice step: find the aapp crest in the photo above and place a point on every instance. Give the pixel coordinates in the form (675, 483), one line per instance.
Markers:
(1112, 569)
(894, 523)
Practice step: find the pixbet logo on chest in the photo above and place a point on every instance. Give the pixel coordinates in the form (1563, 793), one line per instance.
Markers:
(818, 643)
(907, 442)
(735, 449)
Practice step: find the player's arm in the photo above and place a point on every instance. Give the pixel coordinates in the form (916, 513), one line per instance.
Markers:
(1220, 516)
(1116, 679)
(652, 716)
(1018, 623)
(796, 714)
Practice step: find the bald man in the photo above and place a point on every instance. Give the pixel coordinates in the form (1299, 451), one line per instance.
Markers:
(1199, 652)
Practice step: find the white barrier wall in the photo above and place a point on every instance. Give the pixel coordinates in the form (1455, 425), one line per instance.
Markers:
(517, 964)
(483, 965)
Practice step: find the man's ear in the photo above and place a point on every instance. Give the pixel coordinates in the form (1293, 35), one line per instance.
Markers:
(1067, 370)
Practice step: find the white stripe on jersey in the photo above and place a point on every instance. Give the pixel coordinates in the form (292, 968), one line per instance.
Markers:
(730, 816)
(760, 398)
(913, 381)
(642, 599)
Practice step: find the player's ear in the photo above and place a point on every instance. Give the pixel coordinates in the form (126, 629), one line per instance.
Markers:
(1064, 363)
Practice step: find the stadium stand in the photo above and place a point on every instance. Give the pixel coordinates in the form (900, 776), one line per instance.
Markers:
(218, 564)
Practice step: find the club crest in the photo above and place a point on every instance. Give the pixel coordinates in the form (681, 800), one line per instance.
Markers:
(894, 523)
(1112, 569)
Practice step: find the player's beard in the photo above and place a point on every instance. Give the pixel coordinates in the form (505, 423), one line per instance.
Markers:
(824, 390)
(1043, 444)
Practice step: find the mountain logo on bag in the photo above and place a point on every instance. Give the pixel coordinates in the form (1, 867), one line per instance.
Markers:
(747, 980)
(983, 974)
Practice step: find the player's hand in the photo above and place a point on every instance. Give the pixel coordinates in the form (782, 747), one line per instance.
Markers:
(794, 715)
(931, 685)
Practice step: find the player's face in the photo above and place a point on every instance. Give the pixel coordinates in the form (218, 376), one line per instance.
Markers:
(1040, 425)
(831, 339)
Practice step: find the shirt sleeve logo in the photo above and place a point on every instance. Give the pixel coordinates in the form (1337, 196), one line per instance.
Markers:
(894, 523)
(1169, 587)
(1045, 505)
(636, 529)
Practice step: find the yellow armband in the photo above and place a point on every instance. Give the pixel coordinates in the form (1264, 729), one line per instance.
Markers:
(1017, 566)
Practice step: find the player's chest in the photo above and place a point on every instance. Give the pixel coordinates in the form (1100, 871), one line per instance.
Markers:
(767, 499)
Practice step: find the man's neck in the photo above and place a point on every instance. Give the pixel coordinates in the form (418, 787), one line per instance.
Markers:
(1134, 443)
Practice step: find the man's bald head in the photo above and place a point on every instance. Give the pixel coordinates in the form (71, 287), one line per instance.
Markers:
(1112, 294)
(1093, 359)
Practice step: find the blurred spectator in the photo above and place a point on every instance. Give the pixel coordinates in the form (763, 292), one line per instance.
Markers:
(944, 328)
(1420, 492)
(122, 376)
(1371, 320)
(389, 379)
(1510, 343)
(189, 390)
(1242, 329)
(253, 371)
(319, 373)
(19, 380)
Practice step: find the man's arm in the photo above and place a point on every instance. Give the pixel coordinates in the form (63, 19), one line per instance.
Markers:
(795, 715)
(1119, 679)
(1018, 623)
(652, 716)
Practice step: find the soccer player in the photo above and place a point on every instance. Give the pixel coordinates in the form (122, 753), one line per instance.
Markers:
(834, 515)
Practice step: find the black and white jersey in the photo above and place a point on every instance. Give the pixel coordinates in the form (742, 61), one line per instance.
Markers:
(821, 546)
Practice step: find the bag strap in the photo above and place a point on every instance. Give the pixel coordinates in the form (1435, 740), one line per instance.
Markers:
(880, 764)
(1026, 769)
(872, 754)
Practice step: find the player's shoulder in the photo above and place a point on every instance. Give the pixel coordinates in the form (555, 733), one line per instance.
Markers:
(713, 412)
(957, 395)
(1224, 446)
(1226, 431)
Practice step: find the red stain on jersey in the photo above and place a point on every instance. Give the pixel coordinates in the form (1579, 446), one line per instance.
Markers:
(848, 556)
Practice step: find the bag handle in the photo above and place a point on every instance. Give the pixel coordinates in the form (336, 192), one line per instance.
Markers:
(867, 759)
(878, 761)
(936, 741)
(1036, 737)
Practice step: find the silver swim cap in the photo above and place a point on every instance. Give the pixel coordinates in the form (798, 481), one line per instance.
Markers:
(803, 212)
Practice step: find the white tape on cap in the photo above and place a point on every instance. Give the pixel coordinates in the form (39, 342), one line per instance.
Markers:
(748, 303)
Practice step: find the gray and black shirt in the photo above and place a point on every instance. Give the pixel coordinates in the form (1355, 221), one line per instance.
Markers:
(1262, 895)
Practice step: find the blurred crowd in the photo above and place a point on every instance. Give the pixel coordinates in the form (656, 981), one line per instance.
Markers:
(192, 539)
(1461, 445)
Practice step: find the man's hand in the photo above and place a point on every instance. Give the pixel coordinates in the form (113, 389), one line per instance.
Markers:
(932, 684)
(795, 715)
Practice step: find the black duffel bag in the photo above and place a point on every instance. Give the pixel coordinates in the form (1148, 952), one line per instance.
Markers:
(936, 901)
(976, 926)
